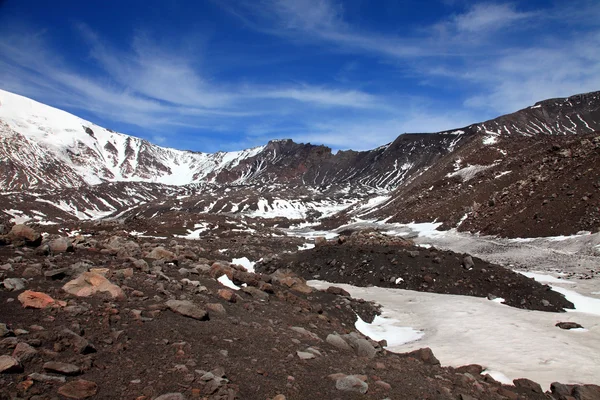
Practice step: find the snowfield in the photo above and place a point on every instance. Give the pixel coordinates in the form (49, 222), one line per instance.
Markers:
(467, 330)
(509, 342)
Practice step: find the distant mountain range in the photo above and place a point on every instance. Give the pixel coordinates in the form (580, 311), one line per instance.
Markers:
(54, 159)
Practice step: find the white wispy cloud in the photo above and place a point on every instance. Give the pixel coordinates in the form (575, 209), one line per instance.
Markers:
(152, 86)
(464, 47)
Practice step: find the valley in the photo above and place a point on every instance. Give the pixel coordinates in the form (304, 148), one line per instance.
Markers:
(435, 266)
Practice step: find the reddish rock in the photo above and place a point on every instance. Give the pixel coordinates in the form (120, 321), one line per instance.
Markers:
(79, 389)
(228, 295)
(218, 269)
(31, 299)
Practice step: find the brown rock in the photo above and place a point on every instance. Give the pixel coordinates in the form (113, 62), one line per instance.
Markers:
(24, 235)
(256, 293)
(31, 299)
(79, 389)
(320, 241)
(337, 291)
(24, 352)
(228, 295)
(90, 283)
(502, 391)
(383, 385)
(568, 325)
(62, 368)
(528, 384)
(10, 364)
(160, 253)
(218, 269)
(187, 309)
(586, 392)
(425, 355)
(60, 245)
(216, 307)
(79, 343)
(473, 369)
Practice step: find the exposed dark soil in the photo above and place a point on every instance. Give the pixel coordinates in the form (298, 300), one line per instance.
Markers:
(407, 266)
(534, 186)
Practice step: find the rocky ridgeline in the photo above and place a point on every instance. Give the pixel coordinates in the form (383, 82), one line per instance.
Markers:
(107, 317)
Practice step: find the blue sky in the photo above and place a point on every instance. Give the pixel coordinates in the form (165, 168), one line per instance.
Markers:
(231, 74)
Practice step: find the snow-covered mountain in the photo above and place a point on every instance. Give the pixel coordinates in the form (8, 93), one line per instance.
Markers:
(52, 160)
(42, 146)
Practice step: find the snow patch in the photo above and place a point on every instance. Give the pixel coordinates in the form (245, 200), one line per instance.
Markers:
(225, 281)
(244, 262)
(388, 329)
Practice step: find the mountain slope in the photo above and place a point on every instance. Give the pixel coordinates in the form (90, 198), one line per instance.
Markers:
(35, 139)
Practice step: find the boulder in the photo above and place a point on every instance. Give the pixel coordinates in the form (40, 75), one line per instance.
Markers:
(468, 262)
(60, 245)
(90, 283)
(528, 385)
(337, 341)
(160, 253)
(425, 355)
(23, 235)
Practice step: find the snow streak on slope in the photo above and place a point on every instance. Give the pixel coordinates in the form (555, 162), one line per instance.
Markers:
(36, 139)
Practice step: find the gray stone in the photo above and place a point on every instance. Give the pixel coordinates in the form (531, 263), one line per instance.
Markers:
(4, 331)
(47, 378)
(337, 341)
(304, 355)
(351, 383)
(14, 284)
(468, 262)
(305, 332)
(365, 349)
(187, 309)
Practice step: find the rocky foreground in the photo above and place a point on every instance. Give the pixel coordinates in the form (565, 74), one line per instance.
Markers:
(112, 316)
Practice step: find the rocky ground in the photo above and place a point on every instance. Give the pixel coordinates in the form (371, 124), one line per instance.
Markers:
(371, 258)
(109, 315)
